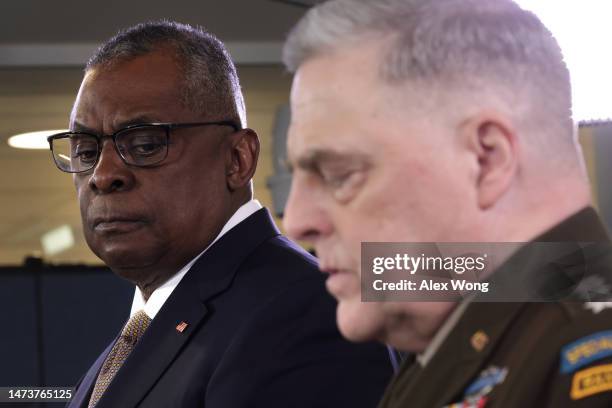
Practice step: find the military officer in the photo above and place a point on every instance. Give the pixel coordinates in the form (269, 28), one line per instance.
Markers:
(451, 121)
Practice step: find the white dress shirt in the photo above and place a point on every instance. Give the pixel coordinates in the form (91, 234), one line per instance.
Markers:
(161, 294)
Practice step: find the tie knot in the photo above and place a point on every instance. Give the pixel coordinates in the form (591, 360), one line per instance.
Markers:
(135, 327)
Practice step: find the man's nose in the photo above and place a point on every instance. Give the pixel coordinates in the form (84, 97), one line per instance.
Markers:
(111, 173)
(304, 218)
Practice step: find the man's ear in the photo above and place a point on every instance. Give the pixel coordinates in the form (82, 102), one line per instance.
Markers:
(242, 156)
(493, 141)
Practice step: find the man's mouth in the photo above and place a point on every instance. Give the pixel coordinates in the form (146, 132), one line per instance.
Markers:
(120, 224)
(340, 282)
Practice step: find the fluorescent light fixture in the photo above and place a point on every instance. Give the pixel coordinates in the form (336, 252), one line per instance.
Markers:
(583, 30)
(32, 140)
(57, 240)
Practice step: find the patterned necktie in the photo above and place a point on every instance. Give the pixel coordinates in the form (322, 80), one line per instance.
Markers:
(131, 333)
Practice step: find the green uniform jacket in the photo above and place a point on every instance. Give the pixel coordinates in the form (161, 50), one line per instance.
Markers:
(556, 354)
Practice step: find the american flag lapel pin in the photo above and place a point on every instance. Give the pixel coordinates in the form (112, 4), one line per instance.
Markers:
(181, 327)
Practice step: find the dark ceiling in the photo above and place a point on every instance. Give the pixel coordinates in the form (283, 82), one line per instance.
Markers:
(85, 21)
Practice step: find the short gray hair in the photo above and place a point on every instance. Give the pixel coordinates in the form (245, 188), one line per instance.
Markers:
(484, 46)
(210, 81)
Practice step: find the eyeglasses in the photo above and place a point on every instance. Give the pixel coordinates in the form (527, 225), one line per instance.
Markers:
(141, 145)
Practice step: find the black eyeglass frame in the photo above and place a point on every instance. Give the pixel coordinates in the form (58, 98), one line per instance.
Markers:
(168, 127)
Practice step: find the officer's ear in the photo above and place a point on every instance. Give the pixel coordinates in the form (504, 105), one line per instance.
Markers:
(241, 158)
(492, 140)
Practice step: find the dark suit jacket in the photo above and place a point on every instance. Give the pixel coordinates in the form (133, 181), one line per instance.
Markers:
(524, 359)
(261, 333)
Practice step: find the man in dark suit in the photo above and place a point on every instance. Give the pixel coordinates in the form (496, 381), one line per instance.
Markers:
(441, 121)
(227, 312)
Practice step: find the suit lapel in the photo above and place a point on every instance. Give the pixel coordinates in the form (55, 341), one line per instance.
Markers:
(211, 275)
(85, 387)
(155, 351)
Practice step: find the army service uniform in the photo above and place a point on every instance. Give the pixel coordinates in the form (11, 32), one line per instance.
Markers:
(521, 354)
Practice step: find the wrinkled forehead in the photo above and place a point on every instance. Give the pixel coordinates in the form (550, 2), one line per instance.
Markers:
(339, 101)
(331, 90)
(338, 75)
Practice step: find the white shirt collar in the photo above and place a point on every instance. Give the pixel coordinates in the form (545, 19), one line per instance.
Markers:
(162, 293)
